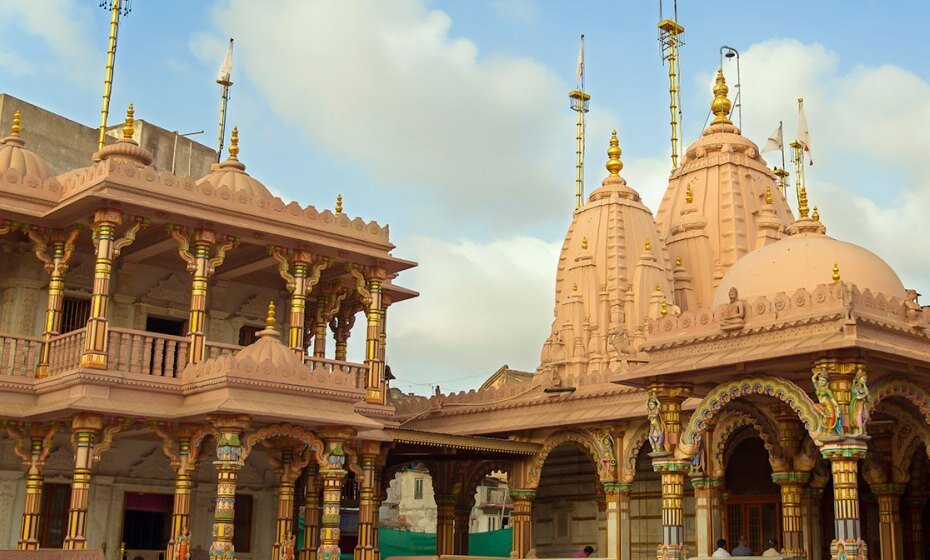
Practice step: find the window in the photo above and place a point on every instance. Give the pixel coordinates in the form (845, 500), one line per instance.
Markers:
(242, 536)
(418, 489)
(74, 314)
(54, 520)
(247, 334)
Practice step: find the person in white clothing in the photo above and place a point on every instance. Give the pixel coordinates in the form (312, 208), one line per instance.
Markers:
(773, 549)
(721, 551)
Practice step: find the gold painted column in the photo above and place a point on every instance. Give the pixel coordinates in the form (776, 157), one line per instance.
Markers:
(445, 524)
(462, 528)
(706, 499)
(228, 462)
(54, 250)
(184, 463)
(522, 520)
(844, 455)
(614, 498)
(288, 468)
(196, 248)
(889, 514)
(671, 469)
(311, 540)
(368, 286)
(85, 430)
(367, 501)
(341, 325)
(301, 272)
(33, 448)
(333, 474)
(320, 324)
(108, 247)
(791, 485)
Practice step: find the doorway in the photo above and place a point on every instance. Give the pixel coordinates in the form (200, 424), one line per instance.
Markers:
(753, 507)
(161, 325)
(147, 522)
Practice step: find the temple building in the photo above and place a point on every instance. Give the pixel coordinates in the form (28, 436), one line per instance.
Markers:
(176, 381)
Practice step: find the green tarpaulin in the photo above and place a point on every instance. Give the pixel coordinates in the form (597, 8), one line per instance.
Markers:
(406, 543)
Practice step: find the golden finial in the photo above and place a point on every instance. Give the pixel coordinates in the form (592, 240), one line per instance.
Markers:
(269, 320)
(677, 261)
(689, 196)
(648, 245)
(664, 310)
(584, 243)
(574, 286)
(614, 165)
(15, 129)
(130, 121)
(768, 194)
(816, 215)
(658, 286)
(234, 144)
(836, 272)
(339, 204)
(803, 210)
(720, 106)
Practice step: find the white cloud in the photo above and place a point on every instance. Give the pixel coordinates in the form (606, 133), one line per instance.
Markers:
(482, 305)
(525, 12)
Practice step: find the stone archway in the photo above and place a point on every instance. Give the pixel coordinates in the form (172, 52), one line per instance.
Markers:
(599, 447)
(889, 387)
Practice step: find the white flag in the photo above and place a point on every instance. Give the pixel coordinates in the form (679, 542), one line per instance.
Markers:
(224, 76)
(804, 135)
(776, 140)
(580, 71)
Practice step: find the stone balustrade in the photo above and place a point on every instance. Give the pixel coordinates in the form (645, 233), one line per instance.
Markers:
(19, 355)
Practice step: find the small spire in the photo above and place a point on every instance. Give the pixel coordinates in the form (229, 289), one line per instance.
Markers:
(234, 144)
(584, 243)
(339, 204)
(15, 129)
(677, 261)
(803, 210)
(658, 286)
(720, 106)
(664, 309)
(614, 165)
(836, 272)
(689, 196)
(768, 194)
(574, 286)
(128, 127)
(648, 245)
(816, 215)
(269, 319)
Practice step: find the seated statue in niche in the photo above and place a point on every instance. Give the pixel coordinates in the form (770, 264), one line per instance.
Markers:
(913, 312)
(732, 315)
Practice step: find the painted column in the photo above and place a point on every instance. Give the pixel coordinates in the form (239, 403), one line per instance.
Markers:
(39, 446)
(367, 501)
(522, 522)
(462, 528)
(228, 462)
(196, 248)
(301, 272)
(368, 287)
(706, 495)
(791, 485)
(333, 474)
(445, 524)
(844, 455)
(54, 250)
(311, 540)
(85, 430)
(889, 514)
(184, 464)
(319, 326)
(917, 526)
(671, 469)
(108, 248)
(341, 325)
(625, 492)
(612, 500)
(284, 522)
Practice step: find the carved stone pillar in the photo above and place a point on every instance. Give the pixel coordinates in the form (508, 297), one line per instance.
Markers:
(625, 534)
(341, 325)
(203, 250)
(672, 470)
(889, 514)
(706, 499)
(445, 524)
(311, 540)
(918, 501)
(368, 287)
(33, 444)
(333, 474)
(228, 462)
(612, 514)
(54, 249)
(462, 528)
(791, 484)
(183, 460)
(522, 522)
(108, 247)
(367, 501)
(810, 517)
(288, 467)
(85, 429)
(844, 455)
(301, 272)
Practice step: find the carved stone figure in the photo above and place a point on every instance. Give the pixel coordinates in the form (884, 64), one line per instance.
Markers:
(859, 403)
(656, 424)
(913, 312)
(733, 314)
(184, 546)
(287, 548)
(830, 418)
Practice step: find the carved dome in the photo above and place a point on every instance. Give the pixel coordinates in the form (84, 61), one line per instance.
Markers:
(721, 203)
(231, 175)
(806, 260)
(14, 156)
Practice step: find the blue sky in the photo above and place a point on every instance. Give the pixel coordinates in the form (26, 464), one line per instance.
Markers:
(449, 121)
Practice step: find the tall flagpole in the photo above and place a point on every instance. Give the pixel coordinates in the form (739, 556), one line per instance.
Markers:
(111, 61)
(224, 78)
(670, 33)
(798, 147)
(782, 174)
(579, 103)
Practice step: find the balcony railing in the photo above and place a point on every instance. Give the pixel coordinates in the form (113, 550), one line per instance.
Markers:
(19, 355)
(147, 353)
(65, 351)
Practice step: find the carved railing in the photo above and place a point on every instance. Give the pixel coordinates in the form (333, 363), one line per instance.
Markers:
(132, 351)
(217, 349)
(19, 355)
(355, 372)
(65, 351)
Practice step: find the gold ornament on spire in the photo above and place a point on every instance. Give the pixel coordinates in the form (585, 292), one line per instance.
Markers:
(803, 209)
(339, 204)
(664, 309)
(658, 286)
(816, 215)
(689, 196)
(15, 129)
(836, 272)
(269, 319)
(614, 165)
(234, 144)
(648, 246)
(721, 105)
(129, 127)
(584, 243)
(768, 194)
(677, 261)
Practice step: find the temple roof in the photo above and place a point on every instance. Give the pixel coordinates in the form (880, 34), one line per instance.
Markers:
(16, 158)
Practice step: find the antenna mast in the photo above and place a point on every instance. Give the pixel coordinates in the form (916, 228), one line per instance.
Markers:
(670, 33)
(116, 9)
(579, 103)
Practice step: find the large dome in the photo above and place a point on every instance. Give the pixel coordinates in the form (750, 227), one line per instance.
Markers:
(13, 155)
(231, 175)
(806, 260)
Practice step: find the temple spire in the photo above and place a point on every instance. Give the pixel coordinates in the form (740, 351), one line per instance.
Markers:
(129, 125)
(721, 105)
(614, 165)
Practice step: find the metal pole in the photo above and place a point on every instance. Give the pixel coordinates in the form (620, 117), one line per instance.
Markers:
(108, 80)
(225, 99)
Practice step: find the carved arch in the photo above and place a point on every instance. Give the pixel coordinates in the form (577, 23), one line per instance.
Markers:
(904, 389)
(599, 450)
(477, 472)
(631, 453)
(314, 445)
(723, 438)
(729, 391)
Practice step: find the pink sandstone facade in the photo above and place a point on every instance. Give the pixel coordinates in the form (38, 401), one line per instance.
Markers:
(175, 349)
